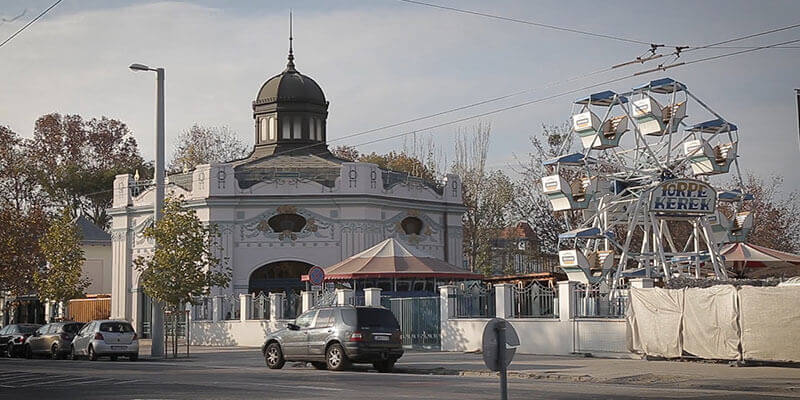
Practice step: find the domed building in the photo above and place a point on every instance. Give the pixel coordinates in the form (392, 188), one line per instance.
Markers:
(291, 204)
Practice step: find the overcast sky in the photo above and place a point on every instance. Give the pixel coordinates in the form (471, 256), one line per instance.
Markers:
(385, 61)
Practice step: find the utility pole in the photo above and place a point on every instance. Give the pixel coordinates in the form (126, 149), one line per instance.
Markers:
(797, 94)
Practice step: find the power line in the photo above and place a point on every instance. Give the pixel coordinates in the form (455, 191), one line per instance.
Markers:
(30, 23)
(713, 45)
(522, 21)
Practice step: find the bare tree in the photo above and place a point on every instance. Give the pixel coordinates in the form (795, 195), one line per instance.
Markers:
(206, 145)
(487, 195)
(530, 204)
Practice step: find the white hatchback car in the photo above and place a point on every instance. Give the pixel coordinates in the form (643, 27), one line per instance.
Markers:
(111, 338)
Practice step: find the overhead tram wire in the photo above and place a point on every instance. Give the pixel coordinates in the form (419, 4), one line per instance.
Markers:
(522, 21)
(750, 36)
(30, 23)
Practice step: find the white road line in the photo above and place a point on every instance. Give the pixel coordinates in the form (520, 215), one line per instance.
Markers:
(126, 382)
(45, 378)
(295, 386)
(57, 382)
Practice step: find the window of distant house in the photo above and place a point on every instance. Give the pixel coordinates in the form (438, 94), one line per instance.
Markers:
(287, 222)
(411, 225)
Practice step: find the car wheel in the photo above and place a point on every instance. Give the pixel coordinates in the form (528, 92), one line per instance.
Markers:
(54, 352)
(384, 365)
(27, 351)
(274, 356)
(335, 358)
(320, 365)
(10, 350)
(91, 355)
(133, 357)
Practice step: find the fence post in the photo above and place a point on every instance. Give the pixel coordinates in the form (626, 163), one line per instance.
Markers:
(217, 312)
(503, 300)
(344, 296)
(566, 306)
(276, 306)
(372, 297)
(641, 283)
(245, 307)
(307, 299)
(448, 305)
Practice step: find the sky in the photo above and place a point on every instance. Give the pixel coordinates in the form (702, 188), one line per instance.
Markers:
(381, 62)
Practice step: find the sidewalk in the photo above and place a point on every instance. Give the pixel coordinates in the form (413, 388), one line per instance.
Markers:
(688, 374)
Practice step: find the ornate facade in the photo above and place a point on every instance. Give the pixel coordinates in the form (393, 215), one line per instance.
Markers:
(289, 205)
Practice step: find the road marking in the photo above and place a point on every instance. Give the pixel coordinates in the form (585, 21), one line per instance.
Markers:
(94, 381)
(56, 382)
(295, 386)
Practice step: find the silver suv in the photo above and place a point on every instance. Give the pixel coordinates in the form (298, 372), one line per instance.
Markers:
(334, 337)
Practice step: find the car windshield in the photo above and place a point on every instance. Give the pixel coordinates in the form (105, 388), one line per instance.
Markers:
(376, 318)
(119, 327)
(27, 328)
(72, 328)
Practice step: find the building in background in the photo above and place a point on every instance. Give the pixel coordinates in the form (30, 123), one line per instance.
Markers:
(516, 250)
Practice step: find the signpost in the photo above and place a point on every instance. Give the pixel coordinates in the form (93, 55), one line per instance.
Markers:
(316, 276)
(500, 342)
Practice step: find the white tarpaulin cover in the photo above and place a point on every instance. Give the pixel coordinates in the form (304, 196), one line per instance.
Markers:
(770, 321)
(710, 326)
(655, 321)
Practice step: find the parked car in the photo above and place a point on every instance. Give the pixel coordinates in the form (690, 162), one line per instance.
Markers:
(334, 337)
(52, 340)
(12, 338)
(109, 338)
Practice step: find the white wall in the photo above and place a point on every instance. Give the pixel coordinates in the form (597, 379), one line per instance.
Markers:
(97, 267)
(233, 333)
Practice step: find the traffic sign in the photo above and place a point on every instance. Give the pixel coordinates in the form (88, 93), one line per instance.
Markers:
(490, 347)
(316, 275)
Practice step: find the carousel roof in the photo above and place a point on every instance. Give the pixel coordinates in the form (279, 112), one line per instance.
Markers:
(756, 256)
(391, 259)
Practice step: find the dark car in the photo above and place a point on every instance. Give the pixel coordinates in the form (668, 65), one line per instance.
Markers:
(334, 337)
(52, 340)
(12, 338)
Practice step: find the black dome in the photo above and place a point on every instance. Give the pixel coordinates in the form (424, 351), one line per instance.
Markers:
(291, 86)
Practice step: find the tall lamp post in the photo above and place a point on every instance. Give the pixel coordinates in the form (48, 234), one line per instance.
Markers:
(157, 320)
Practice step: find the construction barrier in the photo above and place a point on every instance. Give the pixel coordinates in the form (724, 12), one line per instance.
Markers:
(85, 310)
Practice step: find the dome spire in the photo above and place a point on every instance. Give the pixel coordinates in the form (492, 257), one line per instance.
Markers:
(290, 64)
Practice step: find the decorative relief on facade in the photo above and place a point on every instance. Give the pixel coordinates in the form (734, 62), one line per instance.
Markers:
(221, 179)
(266, 226)
(353, 175)
(201, 177)
(373, 179)
(428, 233)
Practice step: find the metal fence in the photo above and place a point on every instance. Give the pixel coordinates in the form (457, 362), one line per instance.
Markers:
(203, 308)
(597, 301)
(231, 307)
(474, 300)
(534, 301)
(358, 301)
(259, 304)
(292, 305)
(420, 321)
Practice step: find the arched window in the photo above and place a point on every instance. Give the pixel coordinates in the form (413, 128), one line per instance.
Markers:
(272, 127)
(286, 132)
(287, 222)
(411, 225)
(296, 130)
(263, 129)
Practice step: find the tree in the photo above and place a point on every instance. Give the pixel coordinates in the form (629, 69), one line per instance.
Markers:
(487, 195)
(76, 161)
(206, 145)
(23, 220)
(185, 264)
(530, 203)
(776, 215)
(61, 280)
(402, 161)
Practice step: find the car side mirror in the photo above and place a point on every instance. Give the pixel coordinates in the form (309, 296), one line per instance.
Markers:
(292, 327)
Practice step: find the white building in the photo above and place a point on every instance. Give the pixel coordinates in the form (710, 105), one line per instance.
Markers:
(289, 205)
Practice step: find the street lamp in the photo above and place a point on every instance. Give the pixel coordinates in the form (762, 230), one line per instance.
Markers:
(157, 322)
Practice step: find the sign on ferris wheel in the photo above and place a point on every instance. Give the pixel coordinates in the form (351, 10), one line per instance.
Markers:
(683, 197)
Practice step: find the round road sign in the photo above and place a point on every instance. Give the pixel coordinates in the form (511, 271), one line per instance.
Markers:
(316, 275)
(490, 348)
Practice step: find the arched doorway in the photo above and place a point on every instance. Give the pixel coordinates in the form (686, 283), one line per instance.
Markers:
(279, 276)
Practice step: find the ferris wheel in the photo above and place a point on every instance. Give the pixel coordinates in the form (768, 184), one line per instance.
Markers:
(644, 170)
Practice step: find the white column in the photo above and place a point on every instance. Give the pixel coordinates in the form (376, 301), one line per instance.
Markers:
(641, 283)
(217, 315)
(344, 296)
(448, 305)
(566, 308)
(245, 307)
(307, 299)
(47, 310)
(372, 297)
(503, 300)
(276, 306)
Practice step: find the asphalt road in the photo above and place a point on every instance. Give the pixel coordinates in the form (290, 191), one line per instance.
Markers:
(242, 375)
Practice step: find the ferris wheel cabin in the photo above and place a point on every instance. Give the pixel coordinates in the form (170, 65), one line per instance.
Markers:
(706, 159)
(596, 133)
(651, 117)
